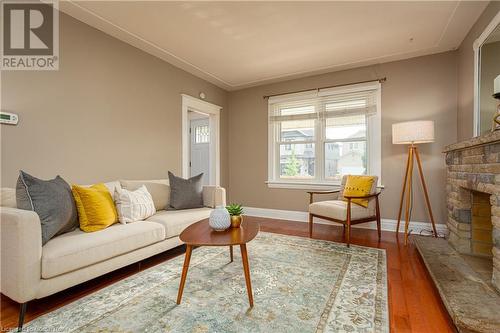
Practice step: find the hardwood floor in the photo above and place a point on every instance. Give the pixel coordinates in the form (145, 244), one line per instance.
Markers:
(414, 304)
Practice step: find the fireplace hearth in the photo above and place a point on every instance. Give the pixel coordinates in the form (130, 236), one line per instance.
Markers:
(466, 266)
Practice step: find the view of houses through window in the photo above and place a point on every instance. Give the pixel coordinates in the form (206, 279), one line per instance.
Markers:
(320, 139)
(344, 148)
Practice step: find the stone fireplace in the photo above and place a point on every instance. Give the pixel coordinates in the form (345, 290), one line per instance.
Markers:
(473, 199)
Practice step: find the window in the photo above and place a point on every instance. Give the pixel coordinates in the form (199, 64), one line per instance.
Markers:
(202, 134)
(317, 137)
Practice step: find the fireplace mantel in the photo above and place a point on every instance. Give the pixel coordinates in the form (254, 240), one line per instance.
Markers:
(474, 142)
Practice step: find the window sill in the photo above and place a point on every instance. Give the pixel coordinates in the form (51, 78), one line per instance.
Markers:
(303, 186)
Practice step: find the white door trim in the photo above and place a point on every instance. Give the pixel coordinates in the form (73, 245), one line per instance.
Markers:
(213, 111)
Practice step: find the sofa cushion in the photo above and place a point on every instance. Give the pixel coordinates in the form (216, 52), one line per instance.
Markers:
(8, 197)
(112, 186)
(159, 190)
(51, 200)
(134, 205)
(78, 249)
(174, 221)
(96, 209)
(337, 209)
(185, 193)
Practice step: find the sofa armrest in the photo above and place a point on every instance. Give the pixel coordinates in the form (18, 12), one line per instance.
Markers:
(214, 196)
(21, 253)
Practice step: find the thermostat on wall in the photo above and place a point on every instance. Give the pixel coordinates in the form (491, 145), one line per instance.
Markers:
(8, 118)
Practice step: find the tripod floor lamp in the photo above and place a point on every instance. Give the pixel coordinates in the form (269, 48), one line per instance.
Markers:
(413, 133)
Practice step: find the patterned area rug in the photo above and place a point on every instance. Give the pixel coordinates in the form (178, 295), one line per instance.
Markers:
(300, 285)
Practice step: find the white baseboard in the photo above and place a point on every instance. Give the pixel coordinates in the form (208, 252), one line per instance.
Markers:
(386, 224)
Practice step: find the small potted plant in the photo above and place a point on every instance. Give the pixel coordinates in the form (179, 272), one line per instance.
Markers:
(235, 210)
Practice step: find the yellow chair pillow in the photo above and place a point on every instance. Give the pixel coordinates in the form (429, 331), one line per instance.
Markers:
(96, 209)
(358, 186)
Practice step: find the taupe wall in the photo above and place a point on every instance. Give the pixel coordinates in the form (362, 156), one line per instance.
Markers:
(419, 88)
(466, 72)
(110, 112)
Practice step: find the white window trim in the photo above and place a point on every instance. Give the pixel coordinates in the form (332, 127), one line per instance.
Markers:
(374, 139)
(213, 112)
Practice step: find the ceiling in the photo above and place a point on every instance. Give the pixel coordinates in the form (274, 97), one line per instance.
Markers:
(241, 44)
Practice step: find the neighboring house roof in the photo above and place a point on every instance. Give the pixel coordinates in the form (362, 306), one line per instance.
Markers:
(304, 133)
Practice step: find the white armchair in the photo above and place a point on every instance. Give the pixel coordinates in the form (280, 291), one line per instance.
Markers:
(343, 210)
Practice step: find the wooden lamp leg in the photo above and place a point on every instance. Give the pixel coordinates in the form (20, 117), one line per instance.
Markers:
(403, 191)
(408, 195)
(427, 201)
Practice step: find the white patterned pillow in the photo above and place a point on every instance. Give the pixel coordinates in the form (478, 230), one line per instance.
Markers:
(134, 205)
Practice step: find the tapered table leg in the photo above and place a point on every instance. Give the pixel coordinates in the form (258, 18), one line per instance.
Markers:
(189, 249)
(246, 269)
(231, 252)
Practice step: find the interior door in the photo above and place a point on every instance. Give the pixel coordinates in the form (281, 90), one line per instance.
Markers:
(200, 149)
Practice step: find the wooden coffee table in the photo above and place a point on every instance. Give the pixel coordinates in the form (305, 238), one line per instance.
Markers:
(200, 234)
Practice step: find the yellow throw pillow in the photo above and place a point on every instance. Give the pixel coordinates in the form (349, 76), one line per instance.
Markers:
(96, 209)
(358, 186)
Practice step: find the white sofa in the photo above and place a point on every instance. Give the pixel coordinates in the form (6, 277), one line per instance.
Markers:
(30, 270)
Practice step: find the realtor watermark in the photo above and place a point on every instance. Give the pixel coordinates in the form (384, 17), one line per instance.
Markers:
(30, 35)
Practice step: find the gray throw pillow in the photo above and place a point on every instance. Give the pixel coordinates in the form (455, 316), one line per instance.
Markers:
(51, 199)
(185, 193)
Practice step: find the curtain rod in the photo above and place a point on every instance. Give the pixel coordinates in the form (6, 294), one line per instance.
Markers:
(381, 80)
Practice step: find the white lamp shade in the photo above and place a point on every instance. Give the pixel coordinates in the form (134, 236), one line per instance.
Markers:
(412, 132)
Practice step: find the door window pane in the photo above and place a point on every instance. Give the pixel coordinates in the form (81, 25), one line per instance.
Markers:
(297, 130)
(346, 127)
(345, 158)
(297, 162)
(202, 134)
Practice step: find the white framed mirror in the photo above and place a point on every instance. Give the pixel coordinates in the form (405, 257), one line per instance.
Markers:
(486, 69)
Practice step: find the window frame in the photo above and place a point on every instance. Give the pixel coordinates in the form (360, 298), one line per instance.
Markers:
(373, 139)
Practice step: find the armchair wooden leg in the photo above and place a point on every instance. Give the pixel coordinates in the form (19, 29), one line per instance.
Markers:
(348, 233)
(22, 312)
(310, 226)
(377, 206)
(348, 238)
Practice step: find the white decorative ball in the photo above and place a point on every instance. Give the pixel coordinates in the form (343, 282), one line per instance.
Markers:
(219, 219)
